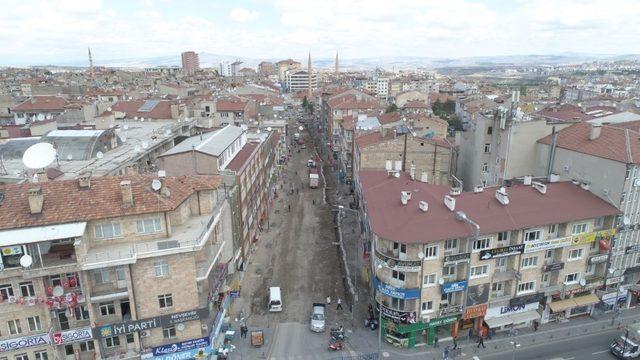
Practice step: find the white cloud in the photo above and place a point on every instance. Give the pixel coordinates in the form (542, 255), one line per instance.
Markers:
(242, 15)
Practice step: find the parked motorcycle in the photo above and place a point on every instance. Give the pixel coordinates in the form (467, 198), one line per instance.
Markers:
(335, 345)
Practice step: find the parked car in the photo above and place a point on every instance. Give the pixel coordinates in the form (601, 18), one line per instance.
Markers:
(317, 318)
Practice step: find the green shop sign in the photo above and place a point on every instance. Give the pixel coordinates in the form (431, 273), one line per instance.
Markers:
(445, 320)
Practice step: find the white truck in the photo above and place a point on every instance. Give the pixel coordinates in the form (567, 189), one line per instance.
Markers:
(627, 344)
(314, 178)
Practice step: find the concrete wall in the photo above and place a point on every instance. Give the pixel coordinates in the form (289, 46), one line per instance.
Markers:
(189, 163)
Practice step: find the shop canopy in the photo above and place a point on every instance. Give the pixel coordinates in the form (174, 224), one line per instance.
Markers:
(525, 316)
(586, 300)
(562, 305)
(497, 322)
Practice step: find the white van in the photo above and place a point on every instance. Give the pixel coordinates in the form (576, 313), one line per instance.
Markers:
(275, 299)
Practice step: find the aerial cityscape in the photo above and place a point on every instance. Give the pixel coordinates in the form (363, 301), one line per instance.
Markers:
(350, 180)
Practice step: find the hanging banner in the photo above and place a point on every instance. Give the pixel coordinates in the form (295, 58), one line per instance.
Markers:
(454, 259)
(453, 287)
(501, 252)
(24, 342)
(71, 336)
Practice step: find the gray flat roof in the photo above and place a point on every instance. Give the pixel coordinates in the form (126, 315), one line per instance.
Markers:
(213, 143)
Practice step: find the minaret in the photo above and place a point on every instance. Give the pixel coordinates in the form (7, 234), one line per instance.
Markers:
(309, 77)
(90, 63)
(337, 65)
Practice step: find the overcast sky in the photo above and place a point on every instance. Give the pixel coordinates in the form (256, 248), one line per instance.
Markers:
(49, 32)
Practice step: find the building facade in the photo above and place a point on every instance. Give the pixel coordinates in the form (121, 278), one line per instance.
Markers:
(113, 267)
(538, 253)
(190, 62)
(297, 81)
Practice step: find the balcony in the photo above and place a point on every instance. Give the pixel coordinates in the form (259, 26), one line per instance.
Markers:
(192, 235)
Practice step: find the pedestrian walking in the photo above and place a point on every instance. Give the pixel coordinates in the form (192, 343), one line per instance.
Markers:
(339, 302)
(455, 342)
(445, 353)
(243, 331)
(481, 342)
(289, 207)
(328, 300)
(435, 341)
(535, 325)
(314, 201)
(470, 334)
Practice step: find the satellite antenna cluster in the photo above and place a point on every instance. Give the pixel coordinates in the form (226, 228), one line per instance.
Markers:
(39, 156)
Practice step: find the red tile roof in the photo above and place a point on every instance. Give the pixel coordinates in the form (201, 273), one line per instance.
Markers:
(388, 118)
(65, 202)
(231, 104)
(42, 103)
(376, 138)
(614, 143)
(415, 104)
(527, 208)
(242, 157)
(161, 111)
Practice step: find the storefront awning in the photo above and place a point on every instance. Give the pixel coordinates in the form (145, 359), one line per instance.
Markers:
(498, 321)
(525, 316)
(562, 305)
(586, 300)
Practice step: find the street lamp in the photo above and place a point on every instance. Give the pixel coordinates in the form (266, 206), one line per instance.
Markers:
(462, 216)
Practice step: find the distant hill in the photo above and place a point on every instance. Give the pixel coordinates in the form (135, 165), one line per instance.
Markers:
(387, 62)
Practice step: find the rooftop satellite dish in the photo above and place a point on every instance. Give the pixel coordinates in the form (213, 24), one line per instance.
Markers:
(167, 132)
(126, 126)
(135, 118)
(40, 117)
(626, 221)
(145, 144)
(109, 108)
(48, 116)
(99, 154)
(137, 148)
(58, 291)
(142, 119)
(441, 281)
(156, 184)
(582, 282)
(39, 156)
(69, 157)
(269, 128)
(26, 261)
(300, 128)
(258, 131)
(123, 138)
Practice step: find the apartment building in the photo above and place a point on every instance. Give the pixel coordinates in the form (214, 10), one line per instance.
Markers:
(113, 267)
(39, 108)
(190, 62)
(335, 107)
(283, 66)
(604, 159)
(298, 80)
(538, 253)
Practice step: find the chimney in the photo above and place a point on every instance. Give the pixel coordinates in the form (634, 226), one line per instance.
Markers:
(42, 176)
(127, 193)
(383, 131)
(527, 179)
(36, 200)
(84, 180)
(450, 202)
(596, 129)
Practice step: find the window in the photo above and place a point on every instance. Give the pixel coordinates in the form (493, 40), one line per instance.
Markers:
(120, 273)
(101, 276)
(545, 279)
(572, 278)
(578, 229)
(169, 333)
(34, 323)
(21, 357)
(487, 148)
(148, 226)
(501, 262)
(503, 236)
(41, 355)
(427, 306)
(553, 229)
(481, 244)
(479, 271)
(450, 244)
(130, 339)
(429, 280)
(431, 252)
(532, 235)
(497, 289)
(107, 231)
(397, 304)
(622, 196)
(599, 223)
(398, 275)
(527, 287)
(591, 269)
(529, 262)
(548, 254)
(107, 309)
(86, 346)
(166, 300)
(449, 270)
(26, 288)
(575, 254)
(161, 268)
(81, 312)
(112, 342)
(6, 290)
(485, 167)
(14, 327)
(489, 130)
(68, 349)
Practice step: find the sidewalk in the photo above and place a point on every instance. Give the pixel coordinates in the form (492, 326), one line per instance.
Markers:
(366, 341)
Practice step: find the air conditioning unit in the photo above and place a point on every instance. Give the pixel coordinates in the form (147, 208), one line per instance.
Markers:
(121, 284)
(145, 333)
(502, 196)
(455, 191)
(542, 188)
(423, 205)
(478, 189)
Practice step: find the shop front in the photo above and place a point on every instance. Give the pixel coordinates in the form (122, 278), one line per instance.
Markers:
(610, 299)
(190, 349)
(473, 317)
(575, 306)
(502, 318)
(409, 335)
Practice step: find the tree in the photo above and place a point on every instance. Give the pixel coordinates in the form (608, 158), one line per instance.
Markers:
(391, 108)
(523, 90)
(455, 123)
(305, 102)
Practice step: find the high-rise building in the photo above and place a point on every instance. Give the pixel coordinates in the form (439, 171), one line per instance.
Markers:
(190, 62)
